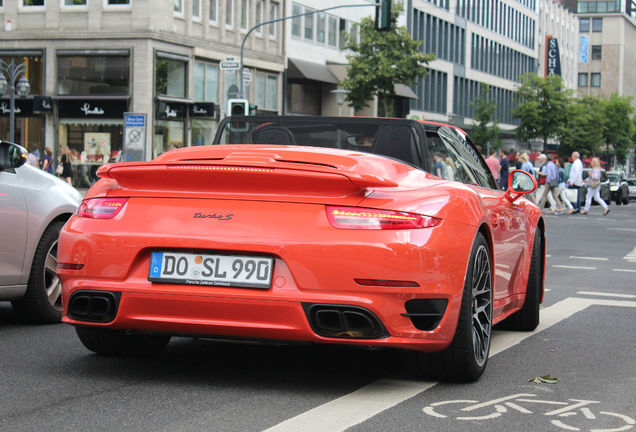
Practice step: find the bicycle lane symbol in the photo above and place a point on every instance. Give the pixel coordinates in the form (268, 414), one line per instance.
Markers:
(522, 403)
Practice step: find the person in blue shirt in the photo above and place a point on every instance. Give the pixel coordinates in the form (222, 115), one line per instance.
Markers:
(551, 184)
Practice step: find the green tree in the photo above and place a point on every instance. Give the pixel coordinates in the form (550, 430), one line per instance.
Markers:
(582, 128)
(618, 128)
(381, 60)
(542, 107)
(486, 129)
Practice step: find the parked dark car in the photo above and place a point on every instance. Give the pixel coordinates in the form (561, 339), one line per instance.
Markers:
(631, 184)
(618, 187)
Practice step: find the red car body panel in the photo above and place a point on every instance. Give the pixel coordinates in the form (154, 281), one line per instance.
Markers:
(277, 197)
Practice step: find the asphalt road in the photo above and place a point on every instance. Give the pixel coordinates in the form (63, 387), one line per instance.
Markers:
(49, 381)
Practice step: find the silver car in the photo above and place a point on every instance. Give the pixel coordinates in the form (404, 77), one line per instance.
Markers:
(34, 206)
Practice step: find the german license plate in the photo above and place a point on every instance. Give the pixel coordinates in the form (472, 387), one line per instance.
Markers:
(211, 269)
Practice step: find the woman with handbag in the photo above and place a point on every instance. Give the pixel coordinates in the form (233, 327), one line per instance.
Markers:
(594, 188)
(551, 176)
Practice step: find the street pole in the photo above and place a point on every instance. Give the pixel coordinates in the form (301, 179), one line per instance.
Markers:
(284, 19)
(13, 72)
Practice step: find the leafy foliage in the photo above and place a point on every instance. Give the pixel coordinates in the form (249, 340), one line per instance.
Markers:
(381, 60)
(483, 131)
(618, 128)
(582, 129)
(542, 107)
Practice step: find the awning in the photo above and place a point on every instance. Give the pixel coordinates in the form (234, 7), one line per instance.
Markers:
(300, 69)
(404, 91)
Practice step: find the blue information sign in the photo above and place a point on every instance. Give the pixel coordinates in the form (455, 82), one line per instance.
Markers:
(135, 120)
(584, 49)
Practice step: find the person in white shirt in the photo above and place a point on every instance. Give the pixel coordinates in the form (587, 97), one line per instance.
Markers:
(575, 180)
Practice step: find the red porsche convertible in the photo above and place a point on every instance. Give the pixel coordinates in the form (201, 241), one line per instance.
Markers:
(369, 232)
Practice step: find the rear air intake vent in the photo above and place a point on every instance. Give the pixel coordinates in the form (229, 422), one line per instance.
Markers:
(342, 321)
(93, 306)
(425, 314)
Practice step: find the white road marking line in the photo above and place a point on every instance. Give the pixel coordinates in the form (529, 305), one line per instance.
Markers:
(624, 270)
(366, 402)
(603, 294)
(548, 256)
(621, 229)
(588, 258)
(574, 267)
(631, 257)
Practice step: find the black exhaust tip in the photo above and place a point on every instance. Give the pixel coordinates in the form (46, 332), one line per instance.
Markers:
(93, 306)
(344, 321)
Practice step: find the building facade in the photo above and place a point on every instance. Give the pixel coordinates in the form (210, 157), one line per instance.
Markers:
(558, 22)
(91, 62)
(607, 57)
(479, 41)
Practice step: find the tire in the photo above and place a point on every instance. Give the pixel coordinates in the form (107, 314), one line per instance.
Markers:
(626, 200)
(118, 343)
(618, 201)
(42, 302)
(466, 357)
(527, 318)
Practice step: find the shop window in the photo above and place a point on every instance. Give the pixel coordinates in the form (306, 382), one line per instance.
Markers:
(203, 131)
(170, 77)
(595, 80)
(34, 72)
(168, 135)
(582, 80)
(596, 52)
(92, 74)
(206, 82)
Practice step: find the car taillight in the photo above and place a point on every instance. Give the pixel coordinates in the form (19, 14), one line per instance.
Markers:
(101, 208)
(365, 218)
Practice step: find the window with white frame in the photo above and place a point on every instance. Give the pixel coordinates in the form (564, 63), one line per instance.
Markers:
(309, 24)
(206, 82)
(321, 28)
(70, 3)
(258, 18)
(273, 14)
(297, 22)
(229, 13)
(178, 7)
(118, 2)
(213, 11)
(332, 39)
(33, 3)
(196, 10)
(245, 14)
(266, 89)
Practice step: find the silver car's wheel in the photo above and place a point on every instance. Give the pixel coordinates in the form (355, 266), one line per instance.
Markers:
(52, 283)
(42, 301)
(481, 305)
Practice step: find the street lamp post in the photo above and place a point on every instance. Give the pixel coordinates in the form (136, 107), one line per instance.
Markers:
(14, 73)
(340, 98)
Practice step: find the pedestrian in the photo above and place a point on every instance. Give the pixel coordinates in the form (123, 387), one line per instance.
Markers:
(33, 158)
(575, 179)
(450, 169)
(493, 164)
(518, 162)
(594, 188)
(47, 160)
(527, 166)
(562, 188)
(65, 160)
(504, 168)
(540, 172)
(551, 174)
(439, 166)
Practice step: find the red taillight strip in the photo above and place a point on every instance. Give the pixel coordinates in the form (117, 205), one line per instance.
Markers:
(388, 283)
(366, 218)
(101, 208)
(69, 266)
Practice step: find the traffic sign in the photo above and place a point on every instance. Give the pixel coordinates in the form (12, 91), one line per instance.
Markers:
(247, 75)
(229, 64)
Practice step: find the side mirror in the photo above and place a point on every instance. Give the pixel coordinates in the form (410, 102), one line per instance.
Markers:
(12, 155)
(520, 183)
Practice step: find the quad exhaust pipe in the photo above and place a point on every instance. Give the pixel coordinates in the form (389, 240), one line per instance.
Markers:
(344, 321)
(93, 306)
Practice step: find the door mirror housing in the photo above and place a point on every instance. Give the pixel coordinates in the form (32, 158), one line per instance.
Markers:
(12, 155)
(520, 183)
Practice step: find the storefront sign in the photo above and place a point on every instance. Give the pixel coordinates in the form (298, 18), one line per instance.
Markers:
(42, 105)
(99, 108)
(552, 57)
(134, 137)
(22, 108)
(171, 110)
(202, 109)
